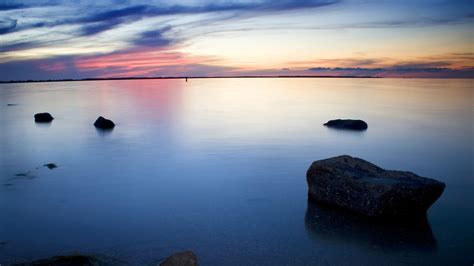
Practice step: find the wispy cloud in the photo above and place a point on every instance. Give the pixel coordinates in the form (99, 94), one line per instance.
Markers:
(11, 6)
(154, 38)
(7, 25)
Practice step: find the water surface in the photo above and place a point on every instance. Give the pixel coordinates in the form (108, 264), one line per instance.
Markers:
(218, 166)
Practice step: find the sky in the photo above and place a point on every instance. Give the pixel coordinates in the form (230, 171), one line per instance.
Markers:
(66, 39)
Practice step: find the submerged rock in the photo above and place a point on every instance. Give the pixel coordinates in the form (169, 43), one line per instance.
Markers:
(104, 123)
(365, 188)
(326, 224)
(347, 124)
(43, 117)
(186, 258)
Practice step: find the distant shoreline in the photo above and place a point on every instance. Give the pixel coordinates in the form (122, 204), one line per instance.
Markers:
(196, 77)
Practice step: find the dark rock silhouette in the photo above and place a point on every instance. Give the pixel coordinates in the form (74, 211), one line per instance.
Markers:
(365, 188)
(104, 123)
(349, 124)
(75, 260)
(50, 165)
(186, 258)
(72, 260)
(43, 118)
(328, 225)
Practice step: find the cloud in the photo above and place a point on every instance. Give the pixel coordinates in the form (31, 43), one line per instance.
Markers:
(17, 46)
(103, 20)
(154, 38)
(120, 37)
(94, 28)
(159, 62)
(116, 14)
(43, 69)
(396, 72)
(7, 25)
(10, 6)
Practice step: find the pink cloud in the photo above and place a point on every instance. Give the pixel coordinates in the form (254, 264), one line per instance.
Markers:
(52, 67)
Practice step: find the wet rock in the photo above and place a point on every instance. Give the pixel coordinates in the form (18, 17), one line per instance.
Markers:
(186, 258)
(50, 165)
(104, 123)
(349, 124)
(43, 118)
(71, 260)
(365, 188)
(76, 260)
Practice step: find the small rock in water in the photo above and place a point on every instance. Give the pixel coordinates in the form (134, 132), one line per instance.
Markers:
(12, 104)
(365, 188)
(22, 174)
(43, 117)
(104, 123)
(351, 124)
(186, 258)
(50, 165)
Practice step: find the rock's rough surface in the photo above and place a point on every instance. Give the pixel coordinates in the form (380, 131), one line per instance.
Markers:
(350, 124)
(43, 117)
(186, 258)
(104, 123)
(365, 188)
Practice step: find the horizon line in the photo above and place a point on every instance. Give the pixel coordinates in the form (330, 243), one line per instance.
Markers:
(211, 77)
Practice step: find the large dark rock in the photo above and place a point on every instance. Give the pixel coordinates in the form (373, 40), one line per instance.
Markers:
(350, 124)
(103, 123)
(43, 117)
(365, 188)
(186, 258)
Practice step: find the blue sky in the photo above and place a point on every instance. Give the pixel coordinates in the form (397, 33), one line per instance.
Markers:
(83, 39)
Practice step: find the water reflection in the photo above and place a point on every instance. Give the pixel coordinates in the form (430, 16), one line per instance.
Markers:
(44, 125)
(326, 224)
(104, 132)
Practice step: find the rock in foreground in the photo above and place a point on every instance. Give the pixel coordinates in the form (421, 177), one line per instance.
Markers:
(365, 188)
(347, 124)
(104, 123)
(43, 117)
(186, 258)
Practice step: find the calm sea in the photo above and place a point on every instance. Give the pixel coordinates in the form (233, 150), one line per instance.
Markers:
(218, 166)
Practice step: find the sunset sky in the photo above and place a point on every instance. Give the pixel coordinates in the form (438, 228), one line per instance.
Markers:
(86, 39)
